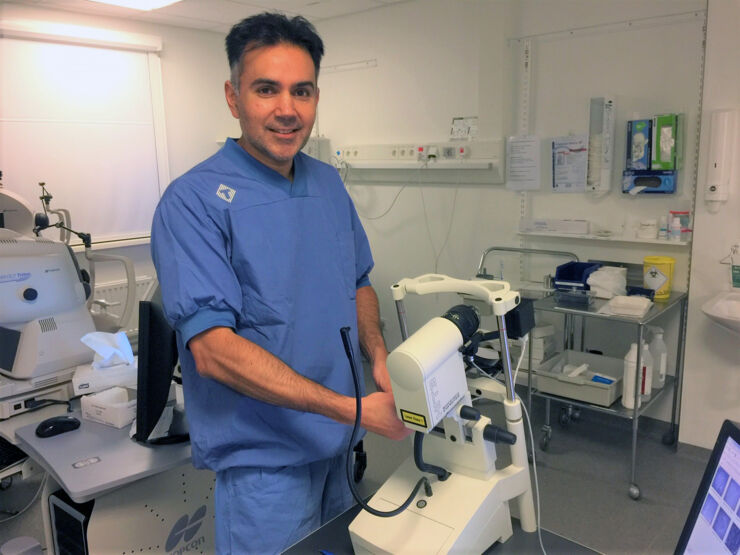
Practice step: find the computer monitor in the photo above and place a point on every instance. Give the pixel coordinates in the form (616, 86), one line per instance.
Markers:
(713, 525)
(157, 360)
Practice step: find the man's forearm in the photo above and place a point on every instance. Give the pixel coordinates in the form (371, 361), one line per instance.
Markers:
(222, 355)
(371, 336)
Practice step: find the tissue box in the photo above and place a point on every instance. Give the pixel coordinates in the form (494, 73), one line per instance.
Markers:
(86, 380)
(114, 407)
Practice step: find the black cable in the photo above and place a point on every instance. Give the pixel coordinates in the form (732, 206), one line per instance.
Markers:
(38, 404)
(423, 481)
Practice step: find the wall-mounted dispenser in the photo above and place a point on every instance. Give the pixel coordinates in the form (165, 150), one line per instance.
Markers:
(722, 147)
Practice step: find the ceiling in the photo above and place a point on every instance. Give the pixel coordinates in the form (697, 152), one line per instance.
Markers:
(217, 15)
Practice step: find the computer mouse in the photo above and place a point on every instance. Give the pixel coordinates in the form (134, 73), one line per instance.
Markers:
(57, 425)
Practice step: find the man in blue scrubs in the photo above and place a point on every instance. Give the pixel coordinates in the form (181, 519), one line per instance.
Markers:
(262, 259)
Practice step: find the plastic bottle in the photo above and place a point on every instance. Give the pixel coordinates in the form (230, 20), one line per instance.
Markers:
(646, 375)
(659, 352)
(628, 379)
(663, 228)
(675, 231)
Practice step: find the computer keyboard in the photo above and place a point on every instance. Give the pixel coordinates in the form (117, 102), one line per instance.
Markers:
(10, 454)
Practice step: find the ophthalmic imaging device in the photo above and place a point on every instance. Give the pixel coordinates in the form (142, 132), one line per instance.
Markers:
(464, 505)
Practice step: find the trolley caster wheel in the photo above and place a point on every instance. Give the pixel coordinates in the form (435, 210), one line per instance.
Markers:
(669, 438)
(634, 491)
(545, 442)
(564, 418)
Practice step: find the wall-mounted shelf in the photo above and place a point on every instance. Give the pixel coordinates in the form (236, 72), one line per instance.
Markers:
(613, 239)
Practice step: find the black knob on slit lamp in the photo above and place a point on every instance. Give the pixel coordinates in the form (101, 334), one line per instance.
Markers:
(469, 413)
(498, 435)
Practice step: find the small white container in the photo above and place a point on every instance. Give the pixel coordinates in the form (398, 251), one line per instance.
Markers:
(659, 352)
(628, 379)
(648, 229)
(663, 228)
(674, 233)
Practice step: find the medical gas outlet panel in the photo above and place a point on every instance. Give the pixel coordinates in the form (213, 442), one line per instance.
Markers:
(479, 155)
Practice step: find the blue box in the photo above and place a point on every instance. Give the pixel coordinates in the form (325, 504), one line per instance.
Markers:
(638, 144)
(648, 181)
(573, 275)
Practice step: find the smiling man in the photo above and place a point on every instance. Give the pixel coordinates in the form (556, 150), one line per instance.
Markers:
(262, 260)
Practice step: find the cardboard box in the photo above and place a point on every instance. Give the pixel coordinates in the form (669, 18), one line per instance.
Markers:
(86, 380)
(665, 150)
(648, 181)
(638, 144)
(114, 407)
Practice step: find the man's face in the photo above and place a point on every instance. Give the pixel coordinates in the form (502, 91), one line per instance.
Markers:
(276, 103)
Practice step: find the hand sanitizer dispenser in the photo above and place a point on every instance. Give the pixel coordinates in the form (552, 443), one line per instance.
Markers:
(721, 146)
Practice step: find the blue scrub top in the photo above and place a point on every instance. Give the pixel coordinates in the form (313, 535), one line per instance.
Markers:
(236, 244)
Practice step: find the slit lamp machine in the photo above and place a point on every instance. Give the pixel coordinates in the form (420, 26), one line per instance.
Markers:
(465, 505)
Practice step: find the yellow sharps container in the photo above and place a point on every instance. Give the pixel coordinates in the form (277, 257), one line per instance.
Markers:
(658, 275)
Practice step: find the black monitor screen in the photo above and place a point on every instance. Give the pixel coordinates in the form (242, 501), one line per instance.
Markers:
(713, 525)
(157, 360)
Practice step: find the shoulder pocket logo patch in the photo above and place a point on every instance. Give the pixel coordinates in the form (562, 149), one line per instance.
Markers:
(225, 193)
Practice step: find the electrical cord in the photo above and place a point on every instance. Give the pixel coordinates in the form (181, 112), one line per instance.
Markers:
(30, 503)
(524, 340)
(534, 458)
(398, 194)
(423, 481)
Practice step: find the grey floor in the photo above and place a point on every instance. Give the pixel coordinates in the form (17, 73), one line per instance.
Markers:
(584, 479)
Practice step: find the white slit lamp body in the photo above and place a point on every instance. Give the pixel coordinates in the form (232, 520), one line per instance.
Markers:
(468, 511)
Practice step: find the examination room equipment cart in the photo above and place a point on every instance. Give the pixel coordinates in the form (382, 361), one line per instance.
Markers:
(676, 301)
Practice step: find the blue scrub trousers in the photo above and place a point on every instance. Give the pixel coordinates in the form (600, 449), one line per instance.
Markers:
(266, 510)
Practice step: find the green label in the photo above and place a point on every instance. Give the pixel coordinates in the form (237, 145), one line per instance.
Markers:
(735, 275)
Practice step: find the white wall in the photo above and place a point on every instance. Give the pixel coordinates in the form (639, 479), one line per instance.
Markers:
(380, 105)
(712, 376)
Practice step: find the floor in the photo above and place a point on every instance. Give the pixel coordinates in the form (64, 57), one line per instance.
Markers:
(584, 479)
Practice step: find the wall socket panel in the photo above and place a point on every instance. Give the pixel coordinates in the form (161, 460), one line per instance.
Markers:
(451, 150)
(115, 292)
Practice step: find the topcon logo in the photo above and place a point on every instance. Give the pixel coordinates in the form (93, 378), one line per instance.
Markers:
(185, 529)
(225, 193)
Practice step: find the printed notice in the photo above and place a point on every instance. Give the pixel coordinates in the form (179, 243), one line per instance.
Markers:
(569, 164)
(523, 163)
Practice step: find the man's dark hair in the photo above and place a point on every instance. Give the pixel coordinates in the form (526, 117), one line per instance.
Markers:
(269, 29)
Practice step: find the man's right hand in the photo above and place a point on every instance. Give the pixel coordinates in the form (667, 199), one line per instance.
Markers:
(379, 416)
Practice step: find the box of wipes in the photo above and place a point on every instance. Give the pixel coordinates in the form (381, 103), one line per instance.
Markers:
(114, 407)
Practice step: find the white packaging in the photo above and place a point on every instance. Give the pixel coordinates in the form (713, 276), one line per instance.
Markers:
(659, 352)
(628, 379)
(575, 227)
(114, 407)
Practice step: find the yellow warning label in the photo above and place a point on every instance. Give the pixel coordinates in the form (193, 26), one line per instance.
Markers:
(413, 418)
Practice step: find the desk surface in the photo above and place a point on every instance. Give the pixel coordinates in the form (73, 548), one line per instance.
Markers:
(333, 538)
(96, 458)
